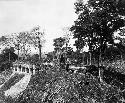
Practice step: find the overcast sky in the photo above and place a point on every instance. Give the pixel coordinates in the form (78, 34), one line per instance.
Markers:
(23, 15)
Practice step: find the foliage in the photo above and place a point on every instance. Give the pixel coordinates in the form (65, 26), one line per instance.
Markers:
(8, 53)
(52, 85)
(121, 4)
(68, 49)
(78, 57)
(36, 37)
(7, 57)
(97, 21)
(112, 53)
(35, 58)
(58, 43)
(23, 41)
(50, 56)
(7, 50)
(3, 39)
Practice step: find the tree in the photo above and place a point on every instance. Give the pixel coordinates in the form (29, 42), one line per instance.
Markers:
(9, 54)
(29, 39)
(37, 39)
(58, 44)
(49, 56)
(97, 21)
(24, 41)
(18, 40)
(68, 51)
(67, 37)
(7, 57)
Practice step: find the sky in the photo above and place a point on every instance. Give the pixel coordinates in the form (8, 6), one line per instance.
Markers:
(51, 15)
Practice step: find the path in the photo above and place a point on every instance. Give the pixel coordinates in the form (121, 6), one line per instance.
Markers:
(18, 87)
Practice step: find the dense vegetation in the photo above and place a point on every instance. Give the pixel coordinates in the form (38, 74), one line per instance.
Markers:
(7, 57)
(97, 21)
(54, 84)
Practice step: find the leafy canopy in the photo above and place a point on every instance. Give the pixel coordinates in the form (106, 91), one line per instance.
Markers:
(96, 23)
(58, 43)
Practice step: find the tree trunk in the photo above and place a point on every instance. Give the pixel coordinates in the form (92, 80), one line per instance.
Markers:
(9, 57)
(121, 57)
(90, 59)
(87, 60)
(39, 49)
(66, 53)
(24, 52)
(83, 59)
(18, 54)
(99, 67)
(58, 56)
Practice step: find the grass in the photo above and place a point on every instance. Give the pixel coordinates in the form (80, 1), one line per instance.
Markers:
(54, 84)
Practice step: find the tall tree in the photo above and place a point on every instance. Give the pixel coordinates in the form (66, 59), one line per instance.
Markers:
(37, 39)
(58, 44)
(67, 37)
(97, 21)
